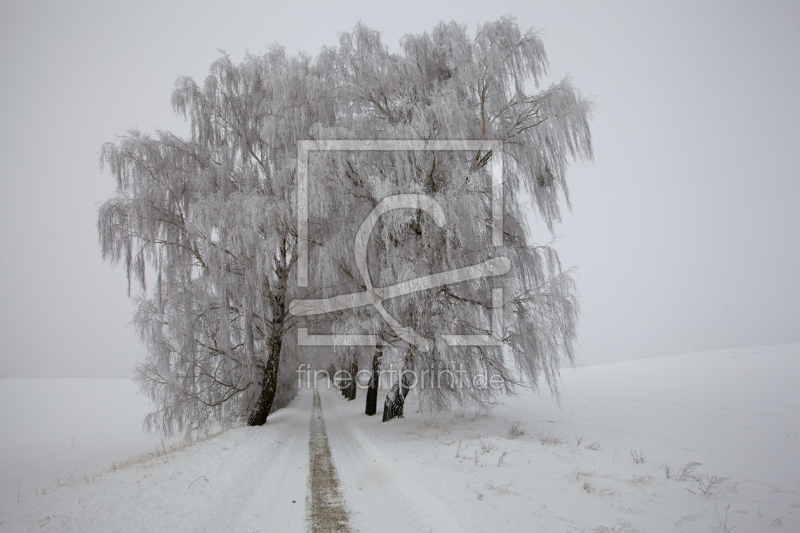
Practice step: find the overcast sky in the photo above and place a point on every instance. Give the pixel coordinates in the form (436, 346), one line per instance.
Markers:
(686, 229)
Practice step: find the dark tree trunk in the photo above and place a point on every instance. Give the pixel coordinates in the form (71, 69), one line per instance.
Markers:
(269, 385)
(351, 390)
(374, 383)
(393, 404)
(342, 384)
(396, 399)
(269, 379)
(331, 372)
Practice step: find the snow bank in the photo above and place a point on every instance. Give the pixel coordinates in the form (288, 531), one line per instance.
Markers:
(736, 412)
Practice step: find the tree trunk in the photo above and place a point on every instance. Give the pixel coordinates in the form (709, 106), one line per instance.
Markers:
(331, 372)
(269, 384)
(374, 383)
(277, 304)
(351, 391)
(396, 399)
(393, 404)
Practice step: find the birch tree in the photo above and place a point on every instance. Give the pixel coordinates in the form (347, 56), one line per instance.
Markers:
(207, 226)
(448, 85)
(211, 220)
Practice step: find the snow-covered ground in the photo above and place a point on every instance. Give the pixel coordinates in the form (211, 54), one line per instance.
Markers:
(736, 412)
(58, 430)
(527, 465)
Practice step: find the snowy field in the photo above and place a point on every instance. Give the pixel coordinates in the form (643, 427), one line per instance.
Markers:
(527, 465)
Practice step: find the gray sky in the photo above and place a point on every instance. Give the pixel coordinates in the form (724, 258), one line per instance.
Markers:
(686, 229)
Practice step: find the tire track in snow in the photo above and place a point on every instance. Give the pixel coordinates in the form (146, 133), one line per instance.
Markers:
(325, 508)
(274, 503)
(382, 497)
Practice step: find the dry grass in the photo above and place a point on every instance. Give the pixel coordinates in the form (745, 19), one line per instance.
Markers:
(515, 431)
(722, 524)
(486, 445)
(428, 424)
(594, 446)
(686, 471)
(500, 489)
(709, 486)
(620, 527)
(602, 491)
(161, 455)
(550, 439)
(578, 475)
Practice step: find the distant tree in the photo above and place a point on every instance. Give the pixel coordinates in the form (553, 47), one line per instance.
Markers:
(374, 383)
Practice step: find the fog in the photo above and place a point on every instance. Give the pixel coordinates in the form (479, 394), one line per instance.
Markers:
(685, 229)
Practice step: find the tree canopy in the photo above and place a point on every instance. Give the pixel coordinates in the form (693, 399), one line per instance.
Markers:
(212, 220)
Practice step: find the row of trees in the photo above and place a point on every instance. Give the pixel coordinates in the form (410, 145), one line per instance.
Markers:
(207, 225)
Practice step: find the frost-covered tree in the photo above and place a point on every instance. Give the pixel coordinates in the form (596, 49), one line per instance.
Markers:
(449, 85)
(207, 225)
(211, 221)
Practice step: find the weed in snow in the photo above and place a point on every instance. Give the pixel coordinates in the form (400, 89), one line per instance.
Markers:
(500, 489)
(620, 527)
(550, 439)
(579, 438)
(502, 458)
(515, 431)
(638, 457)
(204, 478)
(707, 485)
(733, 485)
(722, 525)
(686, 471)
(594, 446)
(578, 474)
(486, 446)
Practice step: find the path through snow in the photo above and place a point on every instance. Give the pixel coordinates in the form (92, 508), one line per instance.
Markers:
(325, 508)
(379, 494)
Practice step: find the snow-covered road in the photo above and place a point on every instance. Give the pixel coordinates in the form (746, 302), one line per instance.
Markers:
(379, 495)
